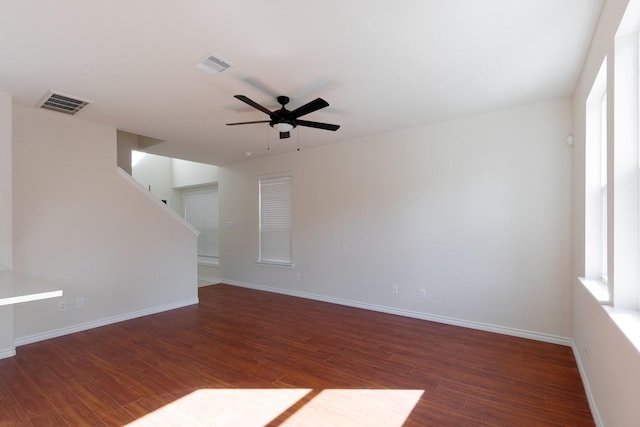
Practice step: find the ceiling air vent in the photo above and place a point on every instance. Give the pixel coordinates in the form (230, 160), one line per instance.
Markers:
(212, 64)
(63, 103)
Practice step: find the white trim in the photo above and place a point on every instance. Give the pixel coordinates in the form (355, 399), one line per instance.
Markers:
(284, 174)
(583, 375)
(157, 201)
(209, 279)
(7, 353)
(209, 261)
(288, 265)
(554, 339)
(101, 322)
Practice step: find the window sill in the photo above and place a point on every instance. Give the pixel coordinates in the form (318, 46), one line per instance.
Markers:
(627, 320)
(598, 289)
(211, 262)
(287, 265)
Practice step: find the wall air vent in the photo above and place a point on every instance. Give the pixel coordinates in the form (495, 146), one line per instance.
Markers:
(212, 64)
(62, 103)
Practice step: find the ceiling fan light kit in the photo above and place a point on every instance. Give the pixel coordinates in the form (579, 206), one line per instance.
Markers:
(284, 120)
(282, 126)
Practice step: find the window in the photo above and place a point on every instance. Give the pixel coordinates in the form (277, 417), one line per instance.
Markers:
(596, 186)
(201, 211)
(624, 165)
(612, 181)
(275, 220)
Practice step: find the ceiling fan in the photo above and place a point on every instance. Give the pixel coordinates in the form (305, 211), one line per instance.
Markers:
(284, 120)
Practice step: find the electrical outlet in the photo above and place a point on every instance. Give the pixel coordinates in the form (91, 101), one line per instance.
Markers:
(423, 294)
(298, 276)
(62, 305)
(80, 302)
(395, 290)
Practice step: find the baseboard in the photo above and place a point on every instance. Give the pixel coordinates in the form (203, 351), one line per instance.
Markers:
(554, 339)
(101, 322)
(208, 279)
(6, 353)
(587, 388)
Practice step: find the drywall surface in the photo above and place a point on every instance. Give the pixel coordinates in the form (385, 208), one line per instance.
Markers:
(165, 177)
(188, 174)
(6, 162)
(81, 226)
(476, 211)
(126, 143)
(154, 173)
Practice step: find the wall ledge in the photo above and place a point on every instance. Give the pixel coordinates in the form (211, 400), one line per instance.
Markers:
(597, 288)
(627, 320)
(158, 202)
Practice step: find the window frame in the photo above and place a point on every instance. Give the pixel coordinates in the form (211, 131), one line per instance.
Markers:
(597, 183)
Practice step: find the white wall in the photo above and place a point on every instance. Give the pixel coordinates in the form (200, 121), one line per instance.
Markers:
(477, 211)
(6, 222)
(126, 142)
(167, 177)
(611, 366)
(154, 173)
(189, 174)
(82, 226)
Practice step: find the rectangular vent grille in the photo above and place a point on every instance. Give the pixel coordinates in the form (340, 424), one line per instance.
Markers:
(63, 103)
(212, 64)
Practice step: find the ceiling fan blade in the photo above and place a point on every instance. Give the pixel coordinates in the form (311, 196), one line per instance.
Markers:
(253, 103)
(248, 123)
(261, 86)
(325, 126)
(309, 107)
(284, 135)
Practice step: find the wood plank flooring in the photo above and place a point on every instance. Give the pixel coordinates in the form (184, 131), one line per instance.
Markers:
(248, 358)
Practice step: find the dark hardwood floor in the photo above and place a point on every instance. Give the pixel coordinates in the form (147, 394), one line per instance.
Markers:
(248, 358)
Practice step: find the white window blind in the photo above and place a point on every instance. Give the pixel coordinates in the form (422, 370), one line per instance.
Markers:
(201, 211)
(275, 220)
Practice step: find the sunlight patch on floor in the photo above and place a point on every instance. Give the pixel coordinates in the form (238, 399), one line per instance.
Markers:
(224, 407)
(259, 407)
(342, 407)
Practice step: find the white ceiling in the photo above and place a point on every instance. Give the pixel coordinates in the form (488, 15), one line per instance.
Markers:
(382, 65)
